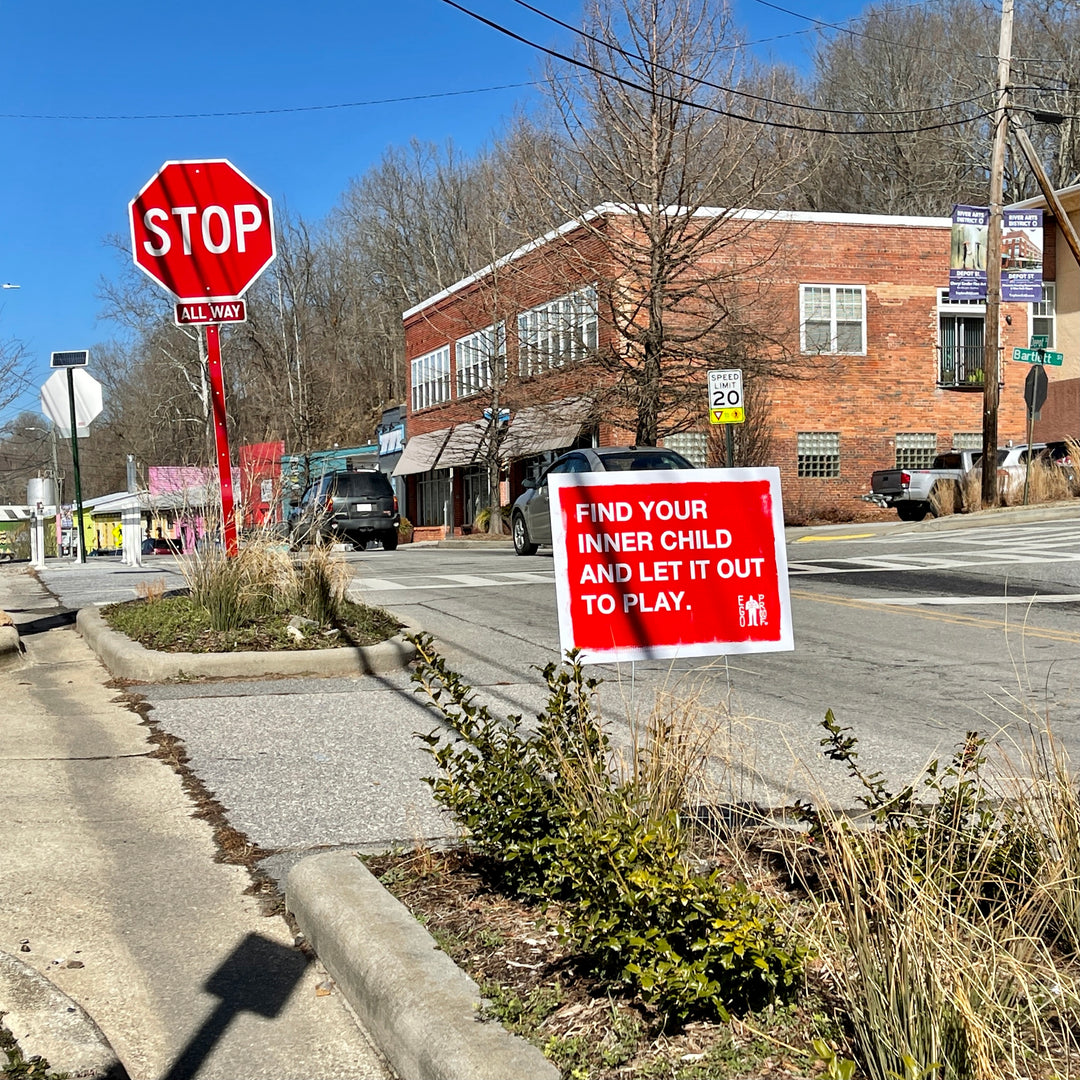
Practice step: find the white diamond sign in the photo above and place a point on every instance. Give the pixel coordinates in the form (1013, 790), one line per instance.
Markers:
(55, 403)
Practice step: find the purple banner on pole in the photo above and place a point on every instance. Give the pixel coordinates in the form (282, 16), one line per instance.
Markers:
(967, 256)
(1022, 256)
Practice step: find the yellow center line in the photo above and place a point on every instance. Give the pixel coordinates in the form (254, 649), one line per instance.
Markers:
(852, 536)
(938, 616)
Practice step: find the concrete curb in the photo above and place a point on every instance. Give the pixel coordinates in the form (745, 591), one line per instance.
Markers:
(46, 1022)
(127, 659)
(418, 1005)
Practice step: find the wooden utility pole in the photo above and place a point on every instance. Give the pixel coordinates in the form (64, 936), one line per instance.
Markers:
(992, 333)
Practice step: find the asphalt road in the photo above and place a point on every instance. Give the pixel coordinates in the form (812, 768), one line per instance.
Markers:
(911, 634)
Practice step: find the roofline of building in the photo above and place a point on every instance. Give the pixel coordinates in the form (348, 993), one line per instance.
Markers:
(606, 209)
(1067, 194)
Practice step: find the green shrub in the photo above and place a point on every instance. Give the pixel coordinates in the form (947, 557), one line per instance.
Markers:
(500, 783)
(691, 943)
(553, 818)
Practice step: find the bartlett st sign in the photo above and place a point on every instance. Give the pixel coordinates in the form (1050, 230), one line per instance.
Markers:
(670, 564)
(1038, 356)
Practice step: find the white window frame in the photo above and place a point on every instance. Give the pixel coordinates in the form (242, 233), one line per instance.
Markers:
(834, 322)
(477, 357)
(559, 331)
(1048, 312)
(429, 378)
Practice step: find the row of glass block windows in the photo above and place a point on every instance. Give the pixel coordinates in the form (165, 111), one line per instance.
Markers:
(819, 451)
(549, 336)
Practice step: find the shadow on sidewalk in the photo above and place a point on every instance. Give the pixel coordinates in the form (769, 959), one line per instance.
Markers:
(46, 623)
(258, 976)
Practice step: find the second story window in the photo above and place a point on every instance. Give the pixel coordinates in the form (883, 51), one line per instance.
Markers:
(1042, 313)
(559, 332)
(430, 378)
(480, 360)
(833, 318)
(960, 341)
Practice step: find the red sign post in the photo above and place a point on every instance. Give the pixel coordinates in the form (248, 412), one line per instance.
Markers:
(204, 232)
(670, 564)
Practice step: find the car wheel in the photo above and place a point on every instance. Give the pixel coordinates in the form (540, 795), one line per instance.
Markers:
(389, 540)
(911, 511)
(522, 544)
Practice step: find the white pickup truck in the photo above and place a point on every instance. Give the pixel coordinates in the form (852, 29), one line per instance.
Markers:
(910, 491)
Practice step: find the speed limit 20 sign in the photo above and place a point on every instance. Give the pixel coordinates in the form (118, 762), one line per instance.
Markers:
(726, 397)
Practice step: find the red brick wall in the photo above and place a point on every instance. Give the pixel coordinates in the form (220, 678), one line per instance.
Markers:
(867, 399)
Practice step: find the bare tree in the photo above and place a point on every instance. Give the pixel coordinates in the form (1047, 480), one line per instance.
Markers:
(910, 88)
(656, 123)
(14, 371)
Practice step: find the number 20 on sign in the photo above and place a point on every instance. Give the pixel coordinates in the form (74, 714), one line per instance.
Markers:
(726, 397)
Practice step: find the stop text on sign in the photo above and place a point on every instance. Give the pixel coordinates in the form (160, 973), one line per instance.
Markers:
(679, 563)
(216, 230)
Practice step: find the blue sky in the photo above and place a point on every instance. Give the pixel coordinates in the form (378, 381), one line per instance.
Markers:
(65, 183)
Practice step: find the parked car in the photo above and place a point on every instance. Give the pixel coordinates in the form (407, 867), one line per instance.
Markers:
(356, 506)
(530, 520)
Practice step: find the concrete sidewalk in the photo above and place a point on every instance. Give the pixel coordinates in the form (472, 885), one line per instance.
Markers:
(111, 886)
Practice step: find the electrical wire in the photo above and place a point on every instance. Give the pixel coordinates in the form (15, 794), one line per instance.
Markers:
(745, 93)
(263, 112)
(784, 125)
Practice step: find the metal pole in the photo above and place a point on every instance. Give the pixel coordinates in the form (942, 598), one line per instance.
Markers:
(221, 439)
(992, 334)
(729, 446)
(78, 530)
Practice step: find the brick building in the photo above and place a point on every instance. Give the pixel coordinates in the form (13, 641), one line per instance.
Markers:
(1058, 318)
(863, 362)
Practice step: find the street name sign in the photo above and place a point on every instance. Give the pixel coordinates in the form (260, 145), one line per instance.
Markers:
(1039, 341)
(202, 230)
(683, 562)
(1038, 356)
(726, 397)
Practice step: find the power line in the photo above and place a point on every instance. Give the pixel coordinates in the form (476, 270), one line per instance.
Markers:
(785, 125)
(263, 112)
(745, 93)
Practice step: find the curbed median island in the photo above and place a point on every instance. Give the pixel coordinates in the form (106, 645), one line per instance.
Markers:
(258, 614)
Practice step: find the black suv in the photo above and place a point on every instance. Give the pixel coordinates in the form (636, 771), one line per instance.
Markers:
(354, 506)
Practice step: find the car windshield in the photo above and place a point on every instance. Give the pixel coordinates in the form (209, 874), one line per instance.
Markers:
(361, 485)
(656, 459)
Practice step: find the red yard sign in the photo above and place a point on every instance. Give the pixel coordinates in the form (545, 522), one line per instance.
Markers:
(670, 564)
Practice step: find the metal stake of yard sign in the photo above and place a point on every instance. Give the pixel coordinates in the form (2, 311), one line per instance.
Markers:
(221, 438)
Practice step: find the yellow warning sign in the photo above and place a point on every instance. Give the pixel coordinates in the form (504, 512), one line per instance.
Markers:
(727, 416)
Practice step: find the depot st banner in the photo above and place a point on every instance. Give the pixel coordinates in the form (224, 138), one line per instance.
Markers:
(669, 564)
(1021, 254)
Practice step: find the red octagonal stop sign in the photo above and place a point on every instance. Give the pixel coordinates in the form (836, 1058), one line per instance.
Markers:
(202, 230)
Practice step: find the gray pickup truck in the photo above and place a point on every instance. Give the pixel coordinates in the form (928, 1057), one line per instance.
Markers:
(911, 491)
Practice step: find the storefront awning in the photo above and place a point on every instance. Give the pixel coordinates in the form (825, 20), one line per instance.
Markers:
(421, 452)
(544, 427)
(466, 446)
